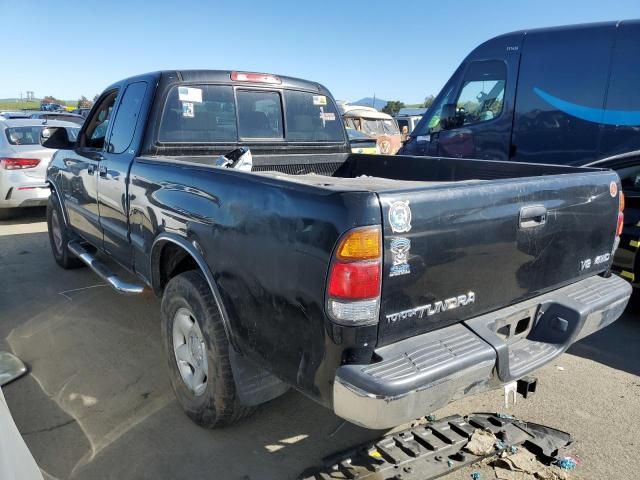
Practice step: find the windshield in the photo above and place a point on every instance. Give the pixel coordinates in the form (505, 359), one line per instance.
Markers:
(356, 135)
(31, 135)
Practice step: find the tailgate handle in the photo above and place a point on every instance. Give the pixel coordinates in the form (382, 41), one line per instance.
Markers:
(533, 216)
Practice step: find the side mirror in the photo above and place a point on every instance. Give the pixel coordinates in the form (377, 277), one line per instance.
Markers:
(55, 137)
(448, 116)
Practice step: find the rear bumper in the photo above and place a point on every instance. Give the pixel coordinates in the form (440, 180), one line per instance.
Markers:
(17, 189)
(421, 374)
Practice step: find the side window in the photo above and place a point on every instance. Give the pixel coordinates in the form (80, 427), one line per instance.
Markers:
(312, 118)
(259, 114)
(482, 92)
(98, 123)
(124, 124)
(430, 121)
(199, 114)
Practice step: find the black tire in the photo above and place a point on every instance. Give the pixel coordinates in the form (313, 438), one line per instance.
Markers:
(218, 405)
(60, 250)
(7, 213)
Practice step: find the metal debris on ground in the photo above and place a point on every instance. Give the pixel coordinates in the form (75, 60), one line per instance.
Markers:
(428, 451)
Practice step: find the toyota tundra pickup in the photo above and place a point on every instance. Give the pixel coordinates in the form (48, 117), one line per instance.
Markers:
(383, 287)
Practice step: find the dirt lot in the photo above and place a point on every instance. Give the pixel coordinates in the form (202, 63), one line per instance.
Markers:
(97, 403)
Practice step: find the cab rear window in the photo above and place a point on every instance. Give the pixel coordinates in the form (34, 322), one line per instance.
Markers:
(213, 114)
(312, 118)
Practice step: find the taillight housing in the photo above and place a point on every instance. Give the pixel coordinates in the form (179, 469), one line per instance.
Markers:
(355, 278)
(18, 163)
(620, 215)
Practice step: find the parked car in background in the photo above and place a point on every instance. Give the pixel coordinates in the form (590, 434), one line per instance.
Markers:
(409, 118)
(24, 161)
(7, 115)
(564, 95)
(51, 107)
(81, 111)
(62, 116)
(377, 124)
(361, 142)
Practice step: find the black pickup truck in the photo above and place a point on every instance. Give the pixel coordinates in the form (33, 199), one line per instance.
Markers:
(382, 287)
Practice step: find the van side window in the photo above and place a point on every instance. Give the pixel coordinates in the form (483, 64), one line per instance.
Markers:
(482, 92)
(124, 124)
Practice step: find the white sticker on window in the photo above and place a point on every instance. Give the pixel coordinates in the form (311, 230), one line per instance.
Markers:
(328, 116)
(188, 94)
(319, 100)
(187, 110)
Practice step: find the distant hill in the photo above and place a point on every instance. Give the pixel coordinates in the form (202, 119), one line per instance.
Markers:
(369, 102)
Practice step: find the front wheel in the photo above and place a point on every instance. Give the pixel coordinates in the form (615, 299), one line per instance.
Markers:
(197, 351)
(59, 236)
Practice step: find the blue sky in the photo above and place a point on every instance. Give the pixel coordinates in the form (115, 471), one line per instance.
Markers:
(397, 50)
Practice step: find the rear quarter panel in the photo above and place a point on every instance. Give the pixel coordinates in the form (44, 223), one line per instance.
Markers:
(268, 244)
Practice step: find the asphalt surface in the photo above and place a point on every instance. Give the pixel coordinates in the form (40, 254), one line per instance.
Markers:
(97, 402)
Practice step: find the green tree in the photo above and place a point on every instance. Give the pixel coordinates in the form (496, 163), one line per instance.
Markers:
(393, 107)
(428, 101)
(84, 102)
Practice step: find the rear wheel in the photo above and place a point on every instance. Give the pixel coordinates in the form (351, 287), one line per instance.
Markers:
(197, 351)
(59, 236)
(7, 213)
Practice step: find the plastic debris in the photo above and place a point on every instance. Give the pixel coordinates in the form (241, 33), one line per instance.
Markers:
(482, 443)
(513, 449)
(567, 463)
(505, 416)
(475, 475)
(431, 418)
(500, 445)
(449, 463)
(560, 368)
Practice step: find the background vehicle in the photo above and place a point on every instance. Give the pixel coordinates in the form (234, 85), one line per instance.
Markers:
(11, 115)
(81, 111)
(361, 142)
(374, 123)
(62, 116)
(563, 95)
(409, 117)
(360, 280)
(23, 163)
(51, 107)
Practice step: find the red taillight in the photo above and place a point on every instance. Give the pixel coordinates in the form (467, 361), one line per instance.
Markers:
(354, 281)
(620, 224)
(255, 77)
(18, 163)
(355, 278)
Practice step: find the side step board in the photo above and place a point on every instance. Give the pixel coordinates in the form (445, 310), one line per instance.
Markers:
(103, 271)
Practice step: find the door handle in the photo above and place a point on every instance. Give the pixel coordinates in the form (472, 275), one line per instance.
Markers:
(103, 170)
(533, 216)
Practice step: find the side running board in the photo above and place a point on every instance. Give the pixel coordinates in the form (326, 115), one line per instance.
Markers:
(103, 271)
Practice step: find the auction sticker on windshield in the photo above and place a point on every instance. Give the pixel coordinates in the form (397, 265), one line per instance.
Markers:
(189, 94)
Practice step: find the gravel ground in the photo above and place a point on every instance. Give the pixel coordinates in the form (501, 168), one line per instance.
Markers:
(97, 403)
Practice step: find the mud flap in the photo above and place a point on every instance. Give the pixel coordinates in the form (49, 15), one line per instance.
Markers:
(437, 448)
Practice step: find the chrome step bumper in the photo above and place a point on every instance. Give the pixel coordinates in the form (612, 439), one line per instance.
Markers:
(104, 272)
(421, 374)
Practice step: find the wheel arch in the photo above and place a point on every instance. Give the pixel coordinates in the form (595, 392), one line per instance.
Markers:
(56, 192)
(191, 253)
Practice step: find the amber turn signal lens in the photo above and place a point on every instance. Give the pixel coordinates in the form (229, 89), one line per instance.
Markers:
(360, 244)
(621, 201)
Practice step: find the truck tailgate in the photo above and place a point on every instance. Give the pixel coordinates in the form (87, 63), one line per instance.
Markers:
(474, 247)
